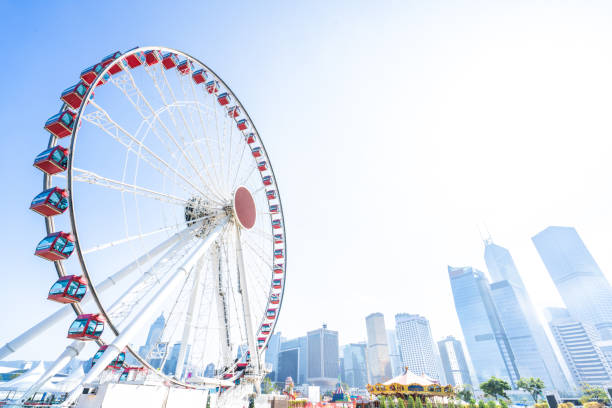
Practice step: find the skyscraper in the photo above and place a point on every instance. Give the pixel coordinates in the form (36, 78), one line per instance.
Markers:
(272, 355)
(416, 344)
(453, 361)
(532, 351)
(293, 360)
(323, 358)
(378, 349)
(355, 365)
(154, 351)
(484, 335)
(577, 342)
(394, 355)
(582, 286)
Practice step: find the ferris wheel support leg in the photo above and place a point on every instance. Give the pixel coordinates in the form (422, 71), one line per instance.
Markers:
(222, 312)
(71, 352)
(246, 306)
(66, 311)
(133, 327)
(193, 301)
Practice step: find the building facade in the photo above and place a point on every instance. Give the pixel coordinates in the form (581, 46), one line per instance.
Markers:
(584, 289)
(416, 345)
(578, 344)
(454, 362)
(485, 338)
(272, 355)
(379, 362)
(293, 360)
(355, 365)
(394, 355)
(323, 364)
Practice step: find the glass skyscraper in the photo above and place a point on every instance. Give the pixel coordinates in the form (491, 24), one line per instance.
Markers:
(532, 351)
(355, 365)
(582, 286)
(394, 355)
(292, 360)
(416, 346)
(453, 361)
(484, 335)
(379, 362)
(323, 356)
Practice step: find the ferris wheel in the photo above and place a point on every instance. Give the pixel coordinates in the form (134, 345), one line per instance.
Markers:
(163, 219)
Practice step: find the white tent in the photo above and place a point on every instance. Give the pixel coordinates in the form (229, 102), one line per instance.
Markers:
(411, 378)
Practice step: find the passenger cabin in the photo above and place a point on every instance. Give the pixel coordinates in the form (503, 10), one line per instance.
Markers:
(74, 95)
(55, 246)
(276, 224)
(110, 59)
(271, 314)
(152, 57)
(86, 327)
(199, 76)
(53, 160)
(130, 373)
(169, 60)
(277, 283)
(262, 166)
(279, 254)
(271, 194)
(250, 138)
(135, 60)
(61, 125)
(267, 180)
(275, 299)
(261, 341)
(233, 111)
(50, 202)
(184, 67)
(278, 268)
(256, 151)
(212, 87)
(227, 376)
(274, 209)
(89, 75)
(242, 124)
(224, 99)
(241, 366)
(116, 364)
(68, 289)
(278, 238)
(266, 328)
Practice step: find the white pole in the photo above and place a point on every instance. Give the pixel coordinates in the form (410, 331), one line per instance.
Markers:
(66, 310)
(222, 317)
(193, 300)
(139, 320)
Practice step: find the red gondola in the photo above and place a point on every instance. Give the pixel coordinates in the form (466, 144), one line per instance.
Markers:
(261, 341)
(61, 124)
(274, 209)
(233, 111)
(116, 364)
(250, 138)
(199, 76)
(266, 328)
(278, 238)
(152, 57)
(89, 75)
(271, 314)
(169, 60)
(267, 180)
(256, 151)
(74, 95)
(50, 202)
(227, 376)
(279, 254)
(53, 160)
(130, 373)
(277, 283)
(278, 268)
(224, 99)
(212, 87)
(184, 67)
(86, 327)
(271, 194)
(276, 224)
(275, 299)
(55, 246)
(134, 60)
(242, 124)
(262, 166)
(241, 366)
(68, 289)
(109, 59)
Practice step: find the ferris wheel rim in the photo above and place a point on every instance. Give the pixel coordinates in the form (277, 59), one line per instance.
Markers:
(73, 217)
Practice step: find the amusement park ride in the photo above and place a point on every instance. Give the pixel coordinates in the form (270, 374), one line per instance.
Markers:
(158, 195)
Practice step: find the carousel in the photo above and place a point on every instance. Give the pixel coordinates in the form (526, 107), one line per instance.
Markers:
(410, 384)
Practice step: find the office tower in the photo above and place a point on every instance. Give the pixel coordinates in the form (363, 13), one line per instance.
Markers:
(153, 350)
(293, 360)
(169, 367)
(416, 344)
(209, 371)
(378, 350)
(272, 355)
(323, 358)
(484, 335)
(582, 286)
(577, 342)
(355, 365)
(454, 362)
(394, 355)
(532, 351)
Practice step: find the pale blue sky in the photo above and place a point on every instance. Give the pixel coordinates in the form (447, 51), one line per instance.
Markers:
(394, 128)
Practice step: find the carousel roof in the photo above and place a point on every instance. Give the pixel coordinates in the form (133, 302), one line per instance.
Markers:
(411, 378)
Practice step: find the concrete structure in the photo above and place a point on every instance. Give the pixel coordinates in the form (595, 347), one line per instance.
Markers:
(323, 350)
(379, 362)
(416, 345)
(454, 362)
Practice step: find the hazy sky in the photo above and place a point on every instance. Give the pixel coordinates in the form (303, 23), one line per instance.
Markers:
(395, 128)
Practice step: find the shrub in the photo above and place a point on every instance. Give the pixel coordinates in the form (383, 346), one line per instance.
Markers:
(481, 404)
(592, 404)
(566, 405)
(491, 404)
(542, 405)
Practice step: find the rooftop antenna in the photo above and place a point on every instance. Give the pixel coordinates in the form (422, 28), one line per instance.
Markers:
(485, 238)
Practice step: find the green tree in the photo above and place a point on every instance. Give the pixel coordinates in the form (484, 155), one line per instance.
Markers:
(503, 404)
(593, 393)
(418, 403)
(428, 404)
(495, 387)
(481, 404)
(381, 402)
(390, 402)
(491, 404)
(465, 394)
(450, 404)
(401, 403)
(533, 386)
(410, 403)
(252, 402)
(266, 386)
(208, 401)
